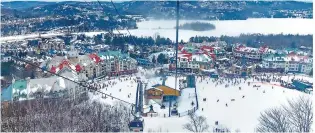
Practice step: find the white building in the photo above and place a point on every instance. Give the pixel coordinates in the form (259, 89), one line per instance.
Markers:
(250, 52)
(287, 63)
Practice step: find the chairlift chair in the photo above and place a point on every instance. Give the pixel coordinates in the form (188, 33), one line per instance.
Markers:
(174, 111)
(136, 125)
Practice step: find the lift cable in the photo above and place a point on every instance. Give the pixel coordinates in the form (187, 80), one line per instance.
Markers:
(115, 28)
(121, 20)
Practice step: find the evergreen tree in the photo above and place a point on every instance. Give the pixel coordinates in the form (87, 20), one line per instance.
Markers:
(161, 59)
(153, 59)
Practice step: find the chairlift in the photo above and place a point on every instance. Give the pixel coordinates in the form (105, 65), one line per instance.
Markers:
(174, 111)
(136, 125)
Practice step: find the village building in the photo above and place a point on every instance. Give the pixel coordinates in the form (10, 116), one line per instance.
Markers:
(52, 43)
(254, 54)
(298, 64)
(154, 94)
(272, 63)
(114, 63)
(53, 86)
(191, 59)
(292, 63)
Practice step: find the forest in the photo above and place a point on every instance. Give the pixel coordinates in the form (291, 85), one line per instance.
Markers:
(275, 41)
(197, 26)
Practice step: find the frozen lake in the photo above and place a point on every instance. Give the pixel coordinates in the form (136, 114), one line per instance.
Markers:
(165, 28)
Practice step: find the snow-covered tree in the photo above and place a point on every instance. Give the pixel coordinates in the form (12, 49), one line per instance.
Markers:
(65, 114)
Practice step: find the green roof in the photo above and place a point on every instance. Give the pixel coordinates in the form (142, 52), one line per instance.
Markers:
(17, 86)
(20, 85)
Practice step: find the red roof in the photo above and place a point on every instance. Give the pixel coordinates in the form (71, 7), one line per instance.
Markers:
(60, 66)
(212, 56)
(292, 54)
(95, 58)
(180, 47)
(208, 48)
(64, 63)
(187, 55)
(263, 49)
(53, 69)
(184, 52)
(78, 68)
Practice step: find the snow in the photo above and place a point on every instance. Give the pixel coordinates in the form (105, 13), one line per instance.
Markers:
(126, 87)
(211, 70)
(247, 110)
(254, 25)
(53, 83)
(261, 25)
(240, 114)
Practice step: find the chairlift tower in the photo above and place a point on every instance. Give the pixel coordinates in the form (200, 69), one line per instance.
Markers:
(177, 19)
(137, 124)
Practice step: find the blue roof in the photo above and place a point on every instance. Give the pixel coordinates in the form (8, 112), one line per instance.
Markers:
(87, 50)
(6, 94)
(51, 51)
(301, 85)
(44, 67)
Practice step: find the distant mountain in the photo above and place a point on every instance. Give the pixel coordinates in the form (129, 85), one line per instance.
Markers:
(219, 9)
(222, 10)
(34, 16)
(20, 5)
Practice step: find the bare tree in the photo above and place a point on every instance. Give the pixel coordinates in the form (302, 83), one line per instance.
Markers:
(300, 113)
(196, 123)
(297, 116)
(273, 120)
(64, 115)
